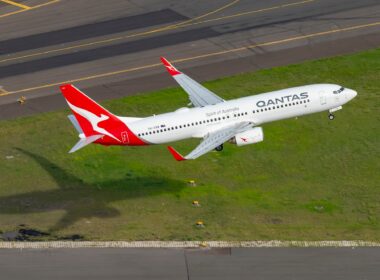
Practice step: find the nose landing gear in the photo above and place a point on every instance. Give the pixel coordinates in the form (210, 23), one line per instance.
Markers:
(331, 111)
(219, 148)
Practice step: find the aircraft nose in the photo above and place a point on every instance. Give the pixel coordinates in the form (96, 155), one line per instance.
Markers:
(351, 94)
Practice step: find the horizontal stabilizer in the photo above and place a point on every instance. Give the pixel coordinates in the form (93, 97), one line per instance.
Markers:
(75, 123)
(84, 142)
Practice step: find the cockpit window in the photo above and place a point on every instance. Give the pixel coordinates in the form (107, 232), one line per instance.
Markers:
(338, 91)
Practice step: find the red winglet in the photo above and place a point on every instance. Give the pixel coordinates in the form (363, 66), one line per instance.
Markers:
(175, 154)
(171, 69)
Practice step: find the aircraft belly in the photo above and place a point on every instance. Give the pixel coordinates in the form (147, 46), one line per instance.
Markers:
(168, 137)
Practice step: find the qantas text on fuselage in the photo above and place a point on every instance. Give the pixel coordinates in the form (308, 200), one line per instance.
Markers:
(212, 119)
(281, 100)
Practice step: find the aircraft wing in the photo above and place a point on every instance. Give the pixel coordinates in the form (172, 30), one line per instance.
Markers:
(213, 140)
(198, 94)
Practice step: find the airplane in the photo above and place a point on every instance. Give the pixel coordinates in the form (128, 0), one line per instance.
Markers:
(212, 119)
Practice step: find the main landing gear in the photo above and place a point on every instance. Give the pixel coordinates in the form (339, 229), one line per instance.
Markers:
(331, 117)
(219, 148)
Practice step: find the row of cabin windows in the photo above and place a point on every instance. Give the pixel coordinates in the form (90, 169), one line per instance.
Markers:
(219, 118)
(282, 106)
(183, 126)
(240, 114)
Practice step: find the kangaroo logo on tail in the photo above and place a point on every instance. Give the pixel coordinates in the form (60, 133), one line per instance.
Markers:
(93, 119)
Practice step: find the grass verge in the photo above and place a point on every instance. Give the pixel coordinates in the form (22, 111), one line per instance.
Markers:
(311, 179)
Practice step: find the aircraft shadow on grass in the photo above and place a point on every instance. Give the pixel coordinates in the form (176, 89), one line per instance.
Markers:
(81, 200)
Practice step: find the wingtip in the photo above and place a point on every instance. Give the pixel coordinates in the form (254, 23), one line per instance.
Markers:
(164, 60)
(171, 69)
(65, 87)
(177, 156)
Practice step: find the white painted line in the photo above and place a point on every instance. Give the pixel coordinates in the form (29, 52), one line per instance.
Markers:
(184, 244)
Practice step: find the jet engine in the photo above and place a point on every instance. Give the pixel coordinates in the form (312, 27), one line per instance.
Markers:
(251, 136)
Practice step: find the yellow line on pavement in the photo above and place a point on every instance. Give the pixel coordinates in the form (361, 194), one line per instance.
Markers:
(45, 4)
(15, 4)
(204, 15)
(170, 27)
(13, 13)
(102, 75)
(3, 91)
(27, 9)
(255, 11)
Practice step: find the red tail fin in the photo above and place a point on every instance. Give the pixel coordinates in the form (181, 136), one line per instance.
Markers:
(95, 120)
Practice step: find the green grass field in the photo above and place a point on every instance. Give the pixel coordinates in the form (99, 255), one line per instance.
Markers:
(311, 178)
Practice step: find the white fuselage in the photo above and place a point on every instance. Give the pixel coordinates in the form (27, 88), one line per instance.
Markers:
(258, 109)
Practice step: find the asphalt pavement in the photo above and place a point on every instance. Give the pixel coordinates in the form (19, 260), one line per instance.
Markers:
(111, 48)
(193, 264)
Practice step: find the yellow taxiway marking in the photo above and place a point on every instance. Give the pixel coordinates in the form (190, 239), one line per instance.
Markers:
(123, 71)
(22, 6)
(45, 4)
(3, 91)
(169, 27)
(254, 12)
(26, 9)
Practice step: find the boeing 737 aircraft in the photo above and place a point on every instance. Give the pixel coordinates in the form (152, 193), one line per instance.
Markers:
(212, 119)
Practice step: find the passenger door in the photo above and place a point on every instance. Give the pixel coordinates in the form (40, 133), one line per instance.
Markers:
(322, 98)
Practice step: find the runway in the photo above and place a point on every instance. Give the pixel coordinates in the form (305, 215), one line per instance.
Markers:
(217, 263)
(112, 48)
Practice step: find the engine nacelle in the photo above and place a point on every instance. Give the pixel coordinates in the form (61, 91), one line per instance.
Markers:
(251, 136)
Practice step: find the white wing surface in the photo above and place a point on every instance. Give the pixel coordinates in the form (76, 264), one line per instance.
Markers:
(198, 94)
(213, 140)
